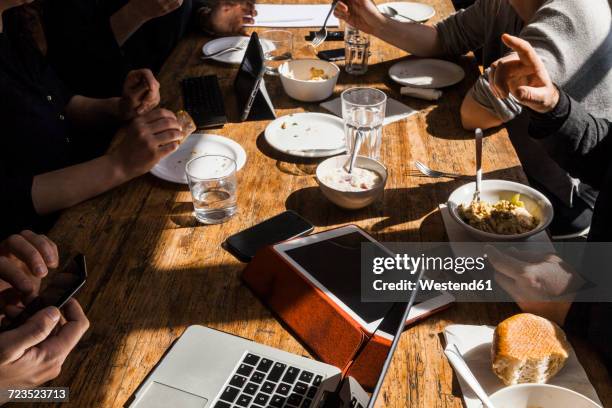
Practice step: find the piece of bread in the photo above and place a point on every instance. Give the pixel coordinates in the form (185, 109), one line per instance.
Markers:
(187, 124)
(528, 349)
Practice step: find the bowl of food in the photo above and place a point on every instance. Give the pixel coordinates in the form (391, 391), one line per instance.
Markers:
(309, 80)
(355, 190)
(506, 210)
(540, 396)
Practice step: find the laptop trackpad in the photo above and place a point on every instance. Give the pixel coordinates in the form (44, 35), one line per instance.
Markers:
(160, 395)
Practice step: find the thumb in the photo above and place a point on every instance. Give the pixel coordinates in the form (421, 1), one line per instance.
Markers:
(36, 329)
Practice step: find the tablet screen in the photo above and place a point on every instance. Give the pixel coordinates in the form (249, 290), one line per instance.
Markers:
(250, 72)
(336, 264)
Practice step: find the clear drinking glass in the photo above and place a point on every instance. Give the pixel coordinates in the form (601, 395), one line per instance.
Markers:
(363, 110)
(356, 51)
(278, 49)
(212, 181)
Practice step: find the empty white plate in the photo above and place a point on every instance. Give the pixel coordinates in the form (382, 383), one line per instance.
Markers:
(426, 73)
(416, 11)
(233, 57)
(172, 168)
(307, 134)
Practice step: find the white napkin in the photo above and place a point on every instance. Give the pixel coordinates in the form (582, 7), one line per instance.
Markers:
(421, 93)
(293, 15)
(474, 343)
(394, 111)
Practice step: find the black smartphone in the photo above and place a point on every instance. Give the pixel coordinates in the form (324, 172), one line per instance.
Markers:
(61, 286)
(332, 55)
(331, 36)
(281, 227)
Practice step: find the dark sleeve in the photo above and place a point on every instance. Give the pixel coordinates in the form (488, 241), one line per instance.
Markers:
(574, 139)
(16, 204)
(82, 46)
(592, 322)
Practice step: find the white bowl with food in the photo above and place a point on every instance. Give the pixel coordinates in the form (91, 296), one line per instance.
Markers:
(352, 191)
(506, 211)
(309, 80)
(540, 396)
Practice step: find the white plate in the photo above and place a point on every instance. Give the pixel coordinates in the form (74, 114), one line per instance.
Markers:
(307, 135)
(416, 11)
(426, 73)
(234, 57)
(172, 168)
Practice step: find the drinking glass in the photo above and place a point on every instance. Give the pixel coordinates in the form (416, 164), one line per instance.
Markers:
(363, 110)
(278, 48)
(212, 181)
(356, 51)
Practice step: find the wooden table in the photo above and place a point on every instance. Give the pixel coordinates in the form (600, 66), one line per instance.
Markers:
(154, 270)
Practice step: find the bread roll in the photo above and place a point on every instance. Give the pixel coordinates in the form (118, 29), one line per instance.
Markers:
(528, 349)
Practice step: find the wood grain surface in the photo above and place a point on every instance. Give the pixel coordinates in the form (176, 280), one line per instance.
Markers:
(154, 270)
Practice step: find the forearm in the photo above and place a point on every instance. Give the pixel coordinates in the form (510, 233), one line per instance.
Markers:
(85, 112)
(418, 39)
(474, 115)
(125, 22)
(69, 186)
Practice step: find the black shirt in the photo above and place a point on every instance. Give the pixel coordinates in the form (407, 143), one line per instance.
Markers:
(36, 137)
(85, 53)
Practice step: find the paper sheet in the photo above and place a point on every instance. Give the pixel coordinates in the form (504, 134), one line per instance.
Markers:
(474, 344)
(394, 111)
(293, 15)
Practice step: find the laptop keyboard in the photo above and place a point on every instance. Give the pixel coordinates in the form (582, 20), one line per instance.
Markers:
(259, 382)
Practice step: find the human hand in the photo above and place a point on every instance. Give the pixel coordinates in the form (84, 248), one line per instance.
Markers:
(361, 14)
(24, 260)
(149, 9)
(145, 141)
(34, 353)
(9, 4)
(229, 17)
(540, 283)
(140, 94)
(524, 75)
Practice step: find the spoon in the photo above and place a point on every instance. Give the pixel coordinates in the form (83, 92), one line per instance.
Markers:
(356, 148)
(391, 12)
(478, 164)
(462, 369)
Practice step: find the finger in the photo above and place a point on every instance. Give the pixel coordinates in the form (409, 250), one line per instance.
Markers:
(169, 136)
(12, 311)
(34, 331)
(504, 264)
(15, 276)
(44, 245)
(525, 51)
(533, 97)
(164, 124)
(157, 114)
(248, 20)
(69, 334)
(26, 252)
(167, 149)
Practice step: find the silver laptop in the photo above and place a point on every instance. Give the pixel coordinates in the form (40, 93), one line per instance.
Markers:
(206, 368)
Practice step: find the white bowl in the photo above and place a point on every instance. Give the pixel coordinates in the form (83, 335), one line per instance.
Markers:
(295, 77)
(540, 396)
(493, 191)
(351, 200)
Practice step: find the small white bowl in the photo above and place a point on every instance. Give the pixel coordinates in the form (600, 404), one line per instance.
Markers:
(295, 77)
(540, 396)
(493, 191)
(352, 200)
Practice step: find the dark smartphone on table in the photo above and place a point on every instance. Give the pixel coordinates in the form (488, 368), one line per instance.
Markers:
(245, 244)
(61, 286)
(332, 55)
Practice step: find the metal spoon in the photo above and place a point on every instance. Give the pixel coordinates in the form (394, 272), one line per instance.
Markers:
(462, 369)
(356, 148)
(478, 138)
(391, 12)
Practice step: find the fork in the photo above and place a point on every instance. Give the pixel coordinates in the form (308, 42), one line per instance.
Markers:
(321, 35)
(435, 173)
(238, 47)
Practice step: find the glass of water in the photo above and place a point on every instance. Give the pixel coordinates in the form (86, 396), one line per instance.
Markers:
(212, 181)
(278, 48)
(363, 111)
(356, 51)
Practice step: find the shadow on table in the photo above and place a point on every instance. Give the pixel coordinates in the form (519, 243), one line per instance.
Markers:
(444, 122)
